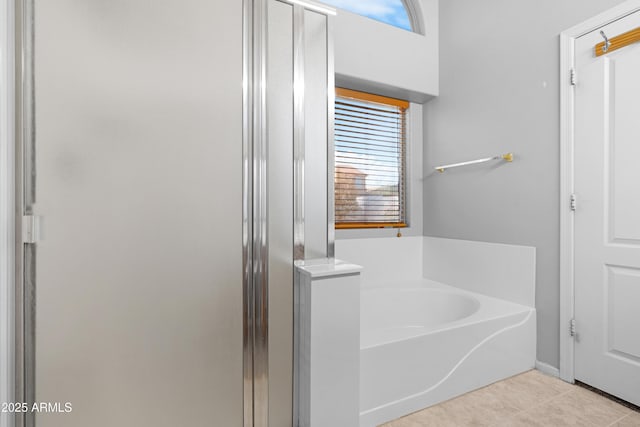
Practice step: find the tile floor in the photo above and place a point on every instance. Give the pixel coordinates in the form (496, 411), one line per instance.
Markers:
(529, 399)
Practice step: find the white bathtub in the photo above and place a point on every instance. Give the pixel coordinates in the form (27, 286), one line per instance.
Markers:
(423, 342)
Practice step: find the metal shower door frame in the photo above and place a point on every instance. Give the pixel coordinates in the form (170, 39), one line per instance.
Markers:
(254, 230)
(24, 289)
(255, 197)
(254, 209)
(23, 363)
(7, 207)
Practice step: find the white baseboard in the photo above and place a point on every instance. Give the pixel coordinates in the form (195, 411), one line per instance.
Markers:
(545, 368)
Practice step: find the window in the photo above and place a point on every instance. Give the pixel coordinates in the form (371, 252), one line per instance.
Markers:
(370, 133)
(392, 12)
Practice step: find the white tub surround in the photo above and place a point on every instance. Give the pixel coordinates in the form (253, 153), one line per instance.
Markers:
(327, 349)
(424, 341)
(384, 259)
(494, 269)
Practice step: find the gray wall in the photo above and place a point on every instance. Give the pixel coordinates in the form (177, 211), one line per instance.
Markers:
(499, 92)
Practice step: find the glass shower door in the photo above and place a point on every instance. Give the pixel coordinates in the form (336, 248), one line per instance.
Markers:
(138, 180)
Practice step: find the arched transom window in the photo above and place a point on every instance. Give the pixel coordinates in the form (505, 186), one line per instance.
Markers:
(392, 12)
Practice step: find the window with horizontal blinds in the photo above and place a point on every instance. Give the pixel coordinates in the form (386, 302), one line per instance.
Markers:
(370, 134)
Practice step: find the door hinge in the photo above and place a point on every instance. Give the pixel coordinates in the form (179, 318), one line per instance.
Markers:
(572, 77)
(572, 203)
(31, 229)
(572, 327)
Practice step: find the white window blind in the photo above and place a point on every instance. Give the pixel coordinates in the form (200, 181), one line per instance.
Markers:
(370, 150)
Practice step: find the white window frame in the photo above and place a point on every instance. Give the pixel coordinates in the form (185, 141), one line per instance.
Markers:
(7, 206)
(414, 12)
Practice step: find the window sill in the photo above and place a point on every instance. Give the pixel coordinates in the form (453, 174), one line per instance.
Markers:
(355, 225)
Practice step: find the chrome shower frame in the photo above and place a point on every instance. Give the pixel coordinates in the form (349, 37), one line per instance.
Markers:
(25, 252)
(254, 206)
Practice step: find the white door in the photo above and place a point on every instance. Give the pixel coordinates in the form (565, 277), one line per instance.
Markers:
(607, 219)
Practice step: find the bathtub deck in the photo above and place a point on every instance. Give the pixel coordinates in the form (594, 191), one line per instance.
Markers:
(529, 399)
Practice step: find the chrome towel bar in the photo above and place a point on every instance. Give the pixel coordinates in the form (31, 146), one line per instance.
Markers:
(508, 157)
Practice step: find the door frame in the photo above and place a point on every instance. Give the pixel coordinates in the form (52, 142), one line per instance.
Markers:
(7, 205)
(567, 178)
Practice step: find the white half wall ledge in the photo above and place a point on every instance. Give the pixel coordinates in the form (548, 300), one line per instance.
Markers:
(328, 334)
(326, 267)
(497, 270)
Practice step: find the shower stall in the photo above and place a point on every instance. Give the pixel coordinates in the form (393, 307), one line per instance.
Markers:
(172, 167)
